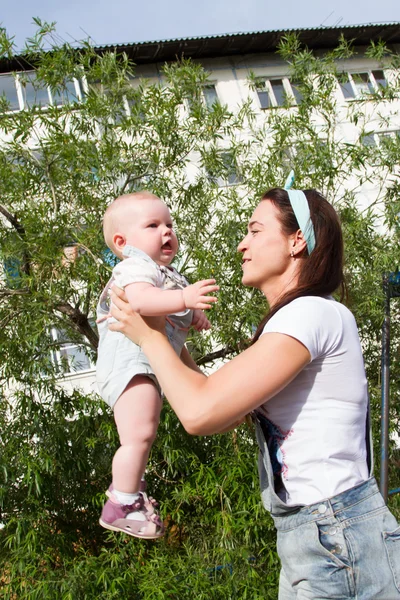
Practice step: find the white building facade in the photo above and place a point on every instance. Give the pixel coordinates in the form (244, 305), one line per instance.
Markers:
(230, 60)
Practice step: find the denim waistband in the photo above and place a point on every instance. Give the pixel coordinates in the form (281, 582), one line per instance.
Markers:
(349, 504)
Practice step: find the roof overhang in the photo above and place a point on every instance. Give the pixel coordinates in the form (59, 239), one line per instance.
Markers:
(234, 44)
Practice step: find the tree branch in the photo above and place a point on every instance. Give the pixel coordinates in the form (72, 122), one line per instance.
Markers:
(12, 219)
(81, 322)
(7, 292)
(223, 352)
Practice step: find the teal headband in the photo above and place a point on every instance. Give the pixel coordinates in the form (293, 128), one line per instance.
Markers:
(301, 211)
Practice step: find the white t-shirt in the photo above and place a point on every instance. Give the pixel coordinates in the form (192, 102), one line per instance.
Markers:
(317, 422)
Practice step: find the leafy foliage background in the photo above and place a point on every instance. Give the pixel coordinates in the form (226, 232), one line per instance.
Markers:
(59, 169)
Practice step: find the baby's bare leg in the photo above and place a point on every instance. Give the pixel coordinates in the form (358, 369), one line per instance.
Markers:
(137, 414)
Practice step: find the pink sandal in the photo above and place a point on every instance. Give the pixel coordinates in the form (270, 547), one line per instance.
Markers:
(114, 517)
(149, 502)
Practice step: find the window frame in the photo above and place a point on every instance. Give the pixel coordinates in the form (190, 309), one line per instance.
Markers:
(21, 96)
(210, 84)
(59, 360)
(377, 136)
(268, 89)
(17, 92)
(357, 93)
(234, 177)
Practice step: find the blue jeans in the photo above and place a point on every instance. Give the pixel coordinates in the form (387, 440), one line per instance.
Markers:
(344, 547)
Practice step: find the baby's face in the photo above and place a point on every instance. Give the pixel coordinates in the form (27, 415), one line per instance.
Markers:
(150, 229)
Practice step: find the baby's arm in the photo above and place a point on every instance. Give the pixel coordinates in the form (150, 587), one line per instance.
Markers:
(150, 301)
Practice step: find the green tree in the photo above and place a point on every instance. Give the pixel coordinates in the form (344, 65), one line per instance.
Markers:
(59, 169)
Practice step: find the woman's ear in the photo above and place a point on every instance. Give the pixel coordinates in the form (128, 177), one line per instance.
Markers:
(298, 243)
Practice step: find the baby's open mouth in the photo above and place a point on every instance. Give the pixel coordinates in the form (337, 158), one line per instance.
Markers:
(166, 246)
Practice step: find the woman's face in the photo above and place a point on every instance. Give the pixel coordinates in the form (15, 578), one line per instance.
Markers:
(265, 250)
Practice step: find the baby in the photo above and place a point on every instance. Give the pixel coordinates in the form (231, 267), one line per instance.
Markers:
(138, 229)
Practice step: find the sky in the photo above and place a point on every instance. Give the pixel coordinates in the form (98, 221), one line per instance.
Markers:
(119, 21)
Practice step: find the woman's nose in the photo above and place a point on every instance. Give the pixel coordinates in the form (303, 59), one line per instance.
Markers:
(242, 245)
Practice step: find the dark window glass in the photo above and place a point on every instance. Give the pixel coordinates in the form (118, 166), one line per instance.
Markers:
(363, 83)
(263, 94)
(69, 357)
(296, 92)
(346, 87)
(279, 91)
(74, 359)
(232, 176)
(389, 137)
(210, 95)
(380, 78)
(65, 95)
(8, 89)
(228, 174)
(264, 98)
(35, 93)
(368, 140)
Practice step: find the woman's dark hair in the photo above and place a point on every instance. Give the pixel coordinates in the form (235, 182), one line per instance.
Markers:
(321, 272)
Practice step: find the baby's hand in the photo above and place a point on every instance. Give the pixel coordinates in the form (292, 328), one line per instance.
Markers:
(200, 321)
(194, 296)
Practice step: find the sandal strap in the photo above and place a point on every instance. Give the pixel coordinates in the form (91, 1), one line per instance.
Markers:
(135, 506)
(156, 519)
(144, 528)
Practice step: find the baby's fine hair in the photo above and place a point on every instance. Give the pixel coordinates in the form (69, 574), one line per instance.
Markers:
(116, 214)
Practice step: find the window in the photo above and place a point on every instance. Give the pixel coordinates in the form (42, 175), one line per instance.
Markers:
(209, 98)
(356, 85)
(227, 174)
(368, 140)
(389, 139)
(286, 156)
(381, 138)
(34, 92)
(311, 154)
(9, 91)
(392, 135)
(298, 96)
(69, 357)
(210, 95)
(69, 93)
(277, 92)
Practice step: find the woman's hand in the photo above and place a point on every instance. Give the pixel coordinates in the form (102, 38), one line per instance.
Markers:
(130, 323)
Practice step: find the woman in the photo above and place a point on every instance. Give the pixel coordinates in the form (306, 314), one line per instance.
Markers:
(303, 379)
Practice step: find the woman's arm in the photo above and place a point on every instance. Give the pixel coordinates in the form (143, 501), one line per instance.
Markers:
(207, 405)
(187, 360)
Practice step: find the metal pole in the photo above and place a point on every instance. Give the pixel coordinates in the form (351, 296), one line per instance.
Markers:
(385, 391)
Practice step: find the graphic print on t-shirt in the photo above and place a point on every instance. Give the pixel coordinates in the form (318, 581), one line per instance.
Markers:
(275, 436)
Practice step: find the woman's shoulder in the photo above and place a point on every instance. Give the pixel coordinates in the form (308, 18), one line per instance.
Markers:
(321, 309)
(319, 303)
(319, 322)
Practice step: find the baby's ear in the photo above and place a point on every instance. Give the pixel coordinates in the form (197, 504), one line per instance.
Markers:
(119, 241)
